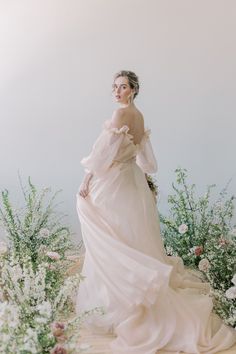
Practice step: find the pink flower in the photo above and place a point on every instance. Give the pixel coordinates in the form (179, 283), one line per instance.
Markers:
(222, 241)
(44, 233)
(58, 349)
(73, 258)
(198, 250)
(183, 228)
(58, 329)
(51, 267)
(53, 255)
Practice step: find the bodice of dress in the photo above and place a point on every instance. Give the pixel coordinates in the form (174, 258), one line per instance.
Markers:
(116, 145)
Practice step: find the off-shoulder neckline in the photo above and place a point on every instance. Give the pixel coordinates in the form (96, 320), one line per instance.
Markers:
(125, 129)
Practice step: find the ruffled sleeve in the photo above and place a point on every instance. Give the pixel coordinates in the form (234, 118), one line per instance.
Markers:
(104, 149)
(145, 158)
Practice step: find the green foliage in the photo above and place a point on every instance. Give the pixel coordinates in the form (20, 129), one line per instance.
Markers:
(35, 288)
(198, 229)
(36, 227)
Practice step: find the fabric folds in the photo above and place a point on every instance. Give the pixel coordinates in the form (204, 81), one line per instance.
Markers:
(151, 301)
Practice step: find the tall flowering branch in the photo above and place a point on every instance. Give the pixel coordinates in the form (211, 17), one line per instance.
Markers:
(35, 286)
(201, 233)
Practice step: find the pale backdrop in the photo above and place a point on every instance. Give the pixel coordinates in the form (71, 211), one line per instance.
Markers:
(57, 61)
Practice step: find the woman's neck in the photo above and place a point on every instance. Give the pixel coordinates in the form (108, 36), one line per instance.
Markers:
(123, 105)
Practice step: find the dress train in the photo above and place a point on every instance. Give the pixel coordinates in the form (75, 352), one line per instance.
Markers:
(151, 301)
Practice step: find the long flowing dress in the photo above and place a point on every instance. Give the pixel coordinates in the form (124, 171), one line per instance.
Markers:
(152, 303)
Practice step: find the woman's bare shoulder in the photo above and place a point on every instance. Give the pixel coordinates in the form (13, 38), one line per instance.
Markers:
(130, 116)
(118, 118)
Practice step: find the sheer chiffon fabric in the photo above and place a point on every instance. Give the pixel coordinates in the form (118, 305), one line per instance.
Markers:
(151, 302)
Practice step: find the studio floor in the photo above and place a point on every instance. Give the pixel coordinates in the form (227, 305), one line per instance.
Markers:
(99, 344)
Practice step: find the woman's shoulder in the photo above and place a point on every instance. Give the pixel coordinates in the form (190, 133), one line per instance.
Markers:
(119, 117)
(127, 111)
(126, 115)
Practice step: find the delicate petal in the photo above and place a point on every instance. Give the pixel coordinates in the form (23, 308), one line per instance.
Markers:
(234, 279)
(231, 293)
(204, 265)
(183, 229)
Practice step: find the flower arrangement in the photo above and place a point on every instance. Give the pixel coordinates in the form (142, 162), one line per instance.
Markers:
(152, 185)
(201, 233)
(36, 292)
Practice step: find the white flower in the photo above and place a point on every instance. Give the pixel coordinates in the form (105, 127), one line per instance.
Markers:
(44, 233)
(233, 231)
(8, 315)
(16, 273)
(45, 309)
(192, 250)
(234, 279)
(204, 265)
(42, 249)
(3, 248)
(169, 250)
(41, 320)
(218, 206)
(30, 341)
(53, 255)
(215, 220)
(231, 293)
(183, 228)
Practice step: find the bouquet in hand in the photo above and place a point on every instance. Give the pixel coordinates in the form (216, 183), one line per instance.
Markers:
(152, 185)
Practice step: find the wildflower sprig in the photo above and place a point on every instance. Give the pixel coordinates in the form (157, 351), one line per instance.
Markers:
(36, 227)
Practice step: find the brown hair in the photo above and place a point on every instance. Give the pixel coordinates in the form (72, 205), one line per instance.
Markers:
(132, 79)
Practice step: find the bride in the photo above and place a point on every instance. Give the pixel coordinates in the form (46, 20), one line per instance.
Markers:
(151, 302)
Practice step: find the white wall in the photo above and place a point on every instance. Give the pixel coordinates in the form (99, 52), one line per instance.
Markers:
(57, 61)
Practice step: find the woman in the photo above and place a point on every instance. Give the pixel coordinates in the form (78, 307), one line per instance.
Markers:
(150, 301)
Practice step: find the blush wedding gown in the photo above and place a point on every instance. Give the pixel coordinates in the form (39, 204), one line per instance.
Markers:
(151, 302)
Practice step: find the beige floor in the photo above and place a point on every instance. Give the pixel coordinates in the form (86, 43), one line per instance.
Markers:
(99, 344)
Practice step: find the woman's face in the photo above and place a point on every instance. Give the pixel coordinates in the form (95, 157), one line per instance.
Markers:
(122, 90)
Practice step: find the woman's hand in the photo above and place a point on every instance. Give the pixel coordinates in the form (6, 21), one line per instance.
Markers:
(84, 189)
